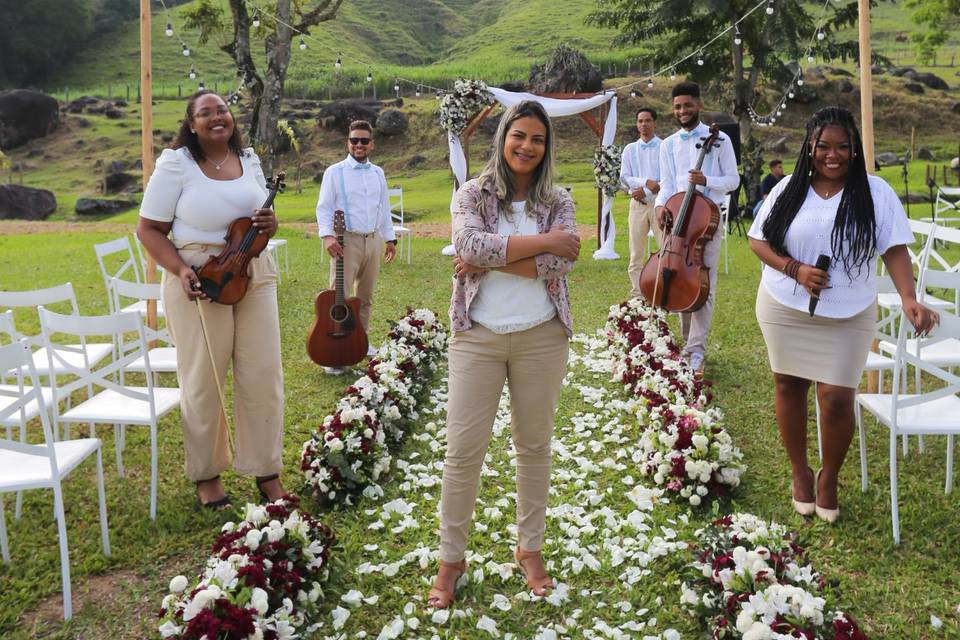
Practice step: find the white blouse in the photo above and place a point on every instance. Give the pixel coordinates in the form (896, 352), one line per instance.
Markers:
(201, 208)
(809, 236)
(507, 303)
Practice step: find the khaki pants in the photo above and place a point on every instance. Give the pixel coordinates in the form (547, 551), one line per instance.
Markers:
(534, 362)
(695, 326)
(361, 266)
(640, 220)
(248, 333)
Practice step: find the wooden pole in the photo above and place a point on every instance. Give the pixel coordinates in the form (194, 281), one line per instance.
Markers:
(146, 132)
(913, 143)
(866, 125)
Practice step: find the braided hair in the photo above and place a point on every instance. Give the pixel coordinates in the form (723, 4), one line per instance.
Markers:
(853, 240)
(187, 138)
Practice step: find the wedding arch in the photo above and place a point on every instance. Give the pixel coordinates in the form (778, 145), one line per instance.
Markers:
(556, 105)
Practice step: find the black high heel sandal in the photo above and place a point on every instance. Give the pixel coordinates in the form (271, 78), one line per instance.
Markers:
(214, 505)
(261, 480)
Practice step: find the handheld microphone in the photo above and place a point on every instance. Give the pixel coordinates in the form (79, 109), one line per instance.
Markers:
(823, 263)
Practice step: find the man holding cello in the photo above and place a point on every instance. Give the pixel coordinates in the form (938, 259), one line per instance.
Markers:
(718, 175)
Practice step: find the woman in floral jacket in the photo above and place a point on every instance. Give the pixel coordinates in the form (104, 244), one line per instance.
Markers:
(515, 239)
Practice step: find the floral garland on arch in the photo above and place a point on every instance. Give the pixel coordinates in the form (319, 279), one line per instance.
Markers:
(458, 106)
(606, 168)
(350, 452)
(683, 446)
(749, 581)
(262, 582)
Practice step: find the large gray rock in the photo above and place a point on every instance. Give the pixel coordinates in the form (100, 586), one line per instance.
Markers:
(26, 115)
(567, 71)
(924, 154)
(914, 87)
(392, 122)
(336, 116)
(845, 86)
(931, 80)
(25, 203)
(99, 206)
(118, 181)
(887, 158)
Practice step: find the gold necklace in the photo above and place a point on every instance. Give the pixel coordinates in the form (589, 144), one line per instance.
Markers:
(217, 165)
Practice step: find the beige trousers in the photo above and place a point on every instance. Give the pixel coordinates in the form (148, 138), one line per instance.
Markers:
(695, 326)
(248, 333)
(534, 363)
(640, 220)
(361, 266)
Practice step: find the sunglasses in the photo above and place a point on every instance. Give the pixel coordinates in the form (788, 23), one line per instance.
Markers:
(360, 141)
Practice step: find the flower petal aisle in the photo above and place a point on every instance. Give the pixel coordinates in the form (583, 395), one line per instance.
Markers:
(642, 467)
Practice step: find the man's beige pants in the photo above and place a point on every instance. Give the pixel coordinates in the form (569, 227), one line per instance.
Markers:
(534, 363)
(247, 333)
(695, 326)
(361, 267)
(640, 220)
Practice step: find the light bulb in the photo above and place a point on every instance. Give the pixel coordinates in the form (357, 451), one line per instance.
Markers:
(791, 95)
(201, 87)
(649, 83)
(700, 60)
(737, 38)
(186, 51)
(673, 75)
(821, 35)
(256, 19)
(169, 30)
(338, 64)
(810, 58)
(396, 85)
(779, 113)
(769, 7)
(799, 82)
(633, 94)
(418, 91)
(369, 75)
(193, 74)
(303, 45)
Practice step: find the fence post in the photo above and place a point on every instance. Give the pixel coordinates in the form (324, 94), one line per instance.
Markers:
(128, 93)
(66, 94)
(139, 98)
(179, 90)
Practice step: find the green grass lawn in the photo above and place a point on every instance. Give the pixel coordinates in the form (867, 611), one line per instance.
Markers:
(891, 590)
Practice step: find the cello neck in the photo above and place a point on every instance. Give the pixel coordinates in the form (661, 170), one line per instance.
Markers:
(679, 225)
(339, 279)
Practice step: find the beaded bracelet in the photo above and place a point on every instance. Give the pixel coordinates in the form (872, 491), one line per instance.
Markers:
(792, 268)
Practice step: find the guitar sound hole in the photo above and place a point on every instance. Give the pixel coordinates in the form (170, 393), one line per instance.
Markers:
(339, 312)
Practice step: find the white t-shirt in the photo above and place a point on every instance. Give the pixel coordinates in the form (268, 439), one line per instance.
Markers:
(809, 236)
(507, 303)
(201, 208)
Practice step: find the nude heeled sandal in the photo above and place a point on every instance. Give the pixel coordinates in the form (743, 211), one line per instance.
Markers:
(442, 598)
(540, 585)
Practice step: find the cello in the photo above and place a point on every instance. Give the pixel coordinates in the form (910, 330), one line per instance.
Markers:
(675, 278)
(337, 338)
(225, 277)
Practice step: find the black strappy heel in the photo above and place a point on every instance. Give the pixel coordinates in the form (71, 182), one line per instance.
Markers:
(261, 480)
(214, 505)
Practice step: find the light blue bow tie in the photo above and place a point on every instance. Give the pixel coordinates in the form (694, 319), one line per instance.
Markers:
(362, 165)
(646, 145)
(686, 135)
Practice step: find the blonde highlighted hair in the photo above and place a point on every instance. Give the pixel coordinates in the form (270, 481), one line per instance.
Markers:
(497, 172)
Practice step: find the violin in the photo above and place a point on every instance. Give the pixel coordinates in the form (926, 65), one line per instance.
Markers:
(675, 278)
(225, 278)
(337, 339)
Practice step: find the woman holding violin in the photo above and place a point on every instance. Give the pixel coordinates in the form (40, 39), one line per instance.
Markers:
(716, 177)
(819, 234)
(200, 185)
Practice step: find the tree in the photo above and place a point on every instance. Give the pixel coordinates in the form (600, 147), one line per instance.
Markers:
(266, 88)
(768, 56)
(37, 37)
(937, 16)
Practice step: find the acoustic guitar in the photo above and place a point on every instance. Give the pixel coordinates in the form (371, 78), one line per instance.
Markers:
(337, 338)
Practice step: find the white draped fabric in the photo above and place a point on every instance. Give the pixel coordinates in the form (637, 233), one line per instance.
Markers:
(555, 108)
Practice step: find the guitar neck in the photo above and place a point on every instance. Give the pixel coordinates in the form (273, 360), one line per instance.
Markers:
(340, 297)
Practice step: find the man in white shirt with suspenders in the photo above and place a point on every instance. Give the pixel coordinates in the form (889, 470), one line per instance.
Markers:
(717, 177)
(640, 177)
(357, 187)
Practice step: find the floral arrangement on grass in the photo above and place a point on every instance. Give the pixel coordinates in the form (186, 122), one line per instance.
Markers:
(349, 453)
(458, 106)
(683, 445)
(606, 168)
(749, 581)
(262, 582)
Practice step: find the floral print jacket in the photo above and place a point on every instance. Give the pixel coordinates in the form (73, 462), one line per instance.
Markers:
(475, 217)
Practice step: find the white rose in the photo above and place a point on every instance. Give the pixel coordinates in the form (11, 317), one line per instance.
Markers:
(168, 629)
(178, 584)
(260, 601)
(335, 444)
(700, 441)
(695, 500)
(253, 539)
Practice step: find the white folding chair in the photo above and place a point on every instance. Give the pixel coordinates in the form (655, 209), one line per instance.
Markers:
(163, 359)
(119, 251)
(142, 256)
(32, 466)
(397, 217)
(934, 411)
(919, 253)
(76, 354)
(276, 246)
(115, 403)
(947, 202)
